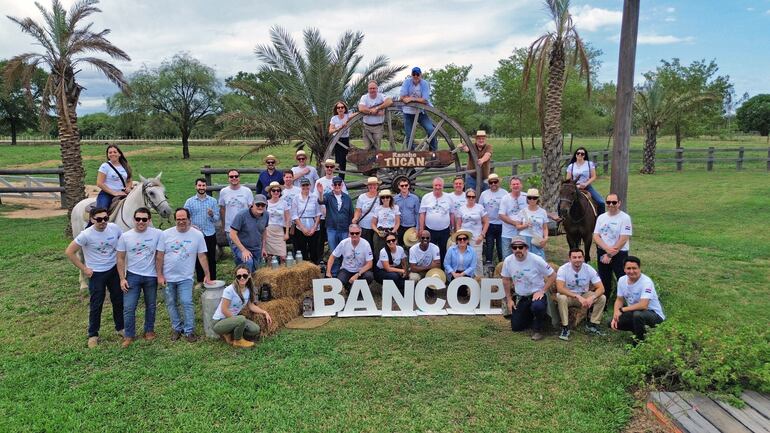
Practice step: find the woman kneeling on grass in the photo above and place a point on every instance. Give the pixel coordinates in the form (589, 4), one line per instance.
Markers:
(227, 323)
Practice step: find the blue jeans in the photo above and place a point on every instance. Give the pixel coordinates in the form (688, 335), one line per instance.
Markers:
(137, 284)
(334, 237)
(426, 124)
(98, 285)
(470, 182)
(597, 198)
(507, 251)
(252, 263)
(103, 200)
(534, 249)
(181, 291)
(233, 248)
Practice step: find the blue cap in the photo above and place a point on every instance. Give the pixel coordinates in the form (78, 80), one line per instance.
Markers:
(337, 179)
(416, 70)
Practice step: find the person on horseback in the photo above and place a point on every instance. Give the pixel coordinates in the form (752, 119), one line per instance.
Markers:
(113, 178)
(582, 171)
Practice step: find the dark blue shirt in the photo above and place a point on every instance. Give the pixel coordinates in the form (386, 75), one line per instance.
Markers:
(264, 181)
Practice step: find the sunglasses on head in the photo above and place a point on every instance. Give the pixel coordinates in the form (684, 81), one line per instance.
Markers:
(141, 220)
(101, 219)
(242, 276)
(532, 198)
(518, 247)
(612, 202)
(354, 233)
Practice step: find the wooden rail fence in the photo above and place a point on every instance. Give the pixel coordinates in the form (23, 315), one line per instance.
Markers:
(33, 184)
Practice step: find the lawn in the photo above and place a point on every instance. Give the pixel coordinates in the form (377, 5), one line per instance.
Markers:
(701, 237)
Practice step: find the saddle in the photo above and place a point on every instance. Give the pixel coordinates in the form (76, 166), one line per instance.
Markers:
(115, 206)
(587, 195)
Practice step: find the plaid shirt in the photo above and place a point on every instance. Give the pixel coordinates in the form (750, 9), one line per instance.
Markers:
(199, 215)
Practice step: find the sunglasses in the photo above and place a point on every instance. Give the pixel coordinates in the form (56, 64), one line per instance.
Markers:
(470, 196)
(275, 190)
(242, 276)
(260, 205)
(141, 220)
(415, 75)
(337, 184)
(518, 247)
(271, 162)
(532, 198)
(234, 176)
(390, 241)
(354, 233)
(406, 185)
(305, 185)
(612, 202)
(301, 158)
(386, 197)
(462, 239)
(329, 166)
(425, 238)
(101, 219)
(580, 153)
(340, 108)
(493, 182)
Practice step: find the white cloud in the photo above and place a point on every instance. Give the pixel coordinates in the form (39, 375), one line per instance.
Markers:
(590, 19)
(767, 12)
(663, 39)
(750, 9)
(669, 19)
(670, 10)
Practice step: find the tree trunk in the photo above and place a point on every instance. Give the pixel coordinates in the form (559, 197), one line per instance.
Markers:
(521, 143)
(13, 132)
(650, 143)
(72, 160)
(553, 143)
(533, 141)
(185, 143)
(678, 134)
(571, 139)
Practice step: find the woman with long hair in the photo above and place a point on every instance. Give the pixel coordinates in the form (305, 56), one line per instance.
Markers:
(391, 262)
(113, 177)
(386, 219)
(582, 171)
(237, 296)
(339, 121)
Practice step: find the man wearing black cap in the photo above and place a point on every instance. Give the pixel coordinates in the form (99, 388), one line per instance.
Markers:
(415, 89)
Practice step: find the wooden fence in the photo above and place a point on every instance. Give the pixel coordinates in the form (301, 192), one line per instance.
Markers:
(32, 184)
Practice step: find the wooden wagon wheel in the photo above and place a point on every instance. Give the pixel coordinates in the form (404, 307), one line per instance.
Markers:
(443, 163)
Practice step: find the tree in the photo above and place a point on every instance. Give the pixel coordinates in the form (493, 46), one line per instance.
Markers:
(449, 94)
(66, 47)
(754, 115)
(549, 56)
(18, 108)
(183, 90)
(300, 89)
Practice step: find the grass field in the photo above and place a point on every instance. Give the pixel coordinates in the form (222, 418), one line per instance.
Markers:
(701, 237)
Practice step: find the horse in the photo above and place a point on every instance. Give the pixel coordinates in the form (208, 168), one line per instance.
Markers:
(150, 193)
(578, 217)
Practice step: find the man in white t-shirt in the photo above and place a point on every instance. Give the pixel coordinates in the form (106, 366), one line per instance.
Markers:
(372, 105)
(436, 214)
(302, 169)
(458, 199)
(531, 278)
(175, 263)
(136, 269)
(357, 258)
(423, 257)
(99, 244)
(611, 235)
(233, 199)
(637, 305)
(510, 207)
(574, 281)
(491, 200)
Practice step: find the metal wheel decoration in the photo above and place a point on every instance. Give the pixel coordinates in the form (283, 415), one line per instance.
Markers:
(396, 160)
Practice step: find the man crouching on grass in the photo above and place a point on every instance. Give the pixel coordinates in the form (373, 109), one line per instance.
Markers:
(637, 305)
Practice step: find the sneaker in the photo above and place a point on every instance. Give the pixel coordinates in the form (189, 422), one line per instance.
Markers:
(122, 333)
(536, 336)
(593, 328)
(564, 333)
(191, 338)
(126, 342)
(175, 335)
(93, 342)
(149, 336)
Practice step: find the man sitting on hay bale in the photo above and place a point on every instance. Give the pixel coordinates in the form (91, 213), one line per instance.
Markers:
(573, 281)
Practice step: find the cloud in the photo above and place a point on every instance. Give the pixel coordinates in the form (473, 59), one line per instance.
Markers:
(663, 39)
(669, 19)
(750, 9)
(591, 19)
(670, 10)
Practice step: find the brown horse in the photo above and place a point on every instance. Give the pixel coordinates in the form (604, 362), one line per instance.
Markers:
(578, 217)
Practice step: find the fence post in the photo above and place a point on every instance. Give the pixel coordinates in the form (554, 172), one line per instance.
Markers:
(208, 179)
(534, 166)
(514, 167)
(739, 163)
(768, 157)
(61, 184)
(605, 161)
(710, 161)
(679, 155)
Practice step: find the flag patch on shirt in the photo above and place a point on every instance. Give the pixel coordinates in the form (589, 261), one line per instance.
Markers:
(648, 290)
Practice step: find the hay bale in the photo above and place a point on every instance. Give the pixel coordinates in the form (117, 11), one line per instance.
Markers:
(281, 310)
(288, 282)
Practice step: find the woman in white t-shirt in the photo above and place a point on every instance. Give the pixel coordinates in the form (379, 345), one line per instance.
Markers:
(532, 223)
(386, 219)
(277, 231)
(113, 177)
(337, 123)
(582, 171)
(237, 296)
(473, 217)
(391, 264)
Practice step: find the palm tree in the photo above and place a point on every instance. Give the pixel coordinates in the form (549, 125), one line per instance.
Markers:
(66, 46)
(548, 56)
(654, 105)
(294, 92)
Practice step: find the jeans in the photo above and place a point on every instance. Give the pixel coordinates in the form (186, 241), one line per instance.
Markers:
(470, 182)
(252, 263)
(606, 271)
(637, 321)
(211, 256)
(103, 200)
(181, 291)
(137, 284)
(232, 246)
(381, 274)
(98, 285)
(426, 124)
(494, 236)
(534, 249)
(440, 238)
(344, 276)
(334, 237)
(597, 198)
(239, 326)
(507, 250)
(529, 313)
(341, 155)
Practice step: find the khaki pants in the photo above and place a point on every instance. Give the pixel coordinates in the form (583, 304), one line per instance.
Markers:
(565, 302)
(373, 136)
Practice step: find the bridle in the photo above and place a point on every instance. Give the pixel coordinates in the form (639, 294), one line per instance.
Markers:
(146, 200)
(570, 202)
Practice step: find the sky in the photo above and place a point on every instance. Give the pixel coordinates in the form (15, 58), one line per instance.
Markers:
(223, 34)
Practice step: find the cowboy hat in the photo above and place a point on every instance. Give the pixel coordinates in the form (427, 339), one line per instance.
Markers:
(372, 180)
(410, 237)
(436, 273)
(274, 184)
(271, 157)
(386, 193)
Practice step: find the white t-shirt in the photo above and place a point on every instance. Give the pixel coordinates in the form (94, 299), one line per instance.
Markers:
(528, 275)
(140, 250)
(471, 219)
(234, 201)
(312, 175)
(289, 195)
(236, 305)
(353, 258)
(581, 173)
(491, 202)
(577, 282)
(397, 257)
(337, 122)
(610, 228)
(386, 217)
(643, 288)
(369, 103)
(111, 178)
(437, 210)
(180, 252)
(511, 207)
(458, 201)
(99, 248)
(538, 219)
(363, 202)
(306, 209)
(424, 258)
(275, 212)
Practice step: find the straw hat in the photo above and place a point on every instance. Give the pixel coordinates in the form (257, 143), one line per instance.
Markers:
(436, 273)
(330, 162)
(271, 157)
(493, 176)
(274, 184)
(462, 232)
(481, 133)
(372, 180)
(533, 192)
(386, 193)
(519, 240)
(410, 237)
(300, 153)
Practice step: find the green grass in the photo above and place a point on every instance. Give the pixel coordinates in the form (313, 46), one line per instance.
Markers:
(701, 237)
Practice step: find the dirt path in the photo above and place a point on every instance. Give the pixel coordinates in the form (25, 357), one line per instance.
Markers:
(40, 208)
(57, 162)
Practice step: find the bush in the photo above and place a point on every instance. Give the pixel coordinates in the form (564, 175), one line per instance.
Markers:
(678, 356)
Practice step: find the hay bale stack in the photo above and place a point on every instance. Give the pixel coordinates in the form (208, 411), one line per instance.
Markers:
(288, 282)
(281, 310)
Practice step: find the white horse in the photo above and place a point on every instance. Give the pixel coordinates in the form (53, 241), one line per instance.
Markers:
(150, 193)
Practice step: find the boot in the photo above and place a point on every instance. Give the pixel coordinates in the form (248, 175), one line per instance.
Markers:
(228, 339)
(242, 343)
